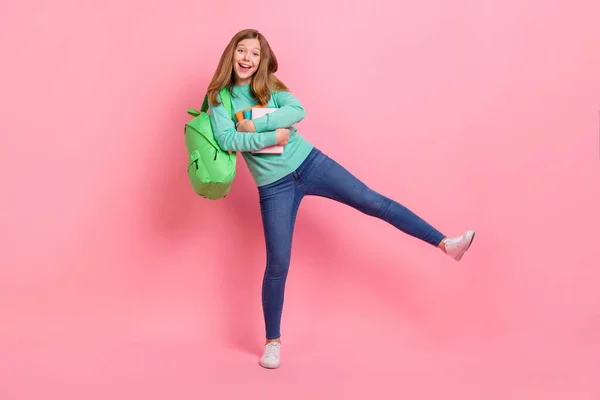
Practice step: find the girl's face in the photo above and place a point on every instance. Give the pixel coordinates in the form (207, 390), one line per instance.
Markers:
(246, 59)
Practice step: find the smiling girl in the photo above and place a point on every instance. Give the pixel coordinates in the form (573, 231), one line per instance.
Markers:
(247, 69)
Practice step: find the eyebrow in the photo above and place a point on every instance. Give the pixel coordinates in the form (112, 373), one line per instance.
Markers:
(241, 45)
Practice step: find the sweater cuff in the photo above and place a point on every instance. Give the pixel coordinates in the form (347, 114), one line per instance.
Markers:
(260, 124)
(269, 138)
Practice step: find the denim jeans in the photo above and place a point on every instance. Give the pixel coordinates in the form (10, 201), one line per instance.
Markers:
(318, 175)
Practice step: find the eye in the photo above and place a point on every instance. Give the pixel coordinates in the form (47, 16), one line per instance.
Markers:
(256, 54)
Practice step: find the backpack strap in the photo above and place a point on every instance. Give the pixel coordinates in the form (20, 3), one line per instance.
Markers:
(204, 104)
(225, 98)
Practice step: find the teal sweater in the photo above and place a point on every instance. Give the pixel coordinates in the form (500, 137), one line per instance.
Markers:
(265, 168)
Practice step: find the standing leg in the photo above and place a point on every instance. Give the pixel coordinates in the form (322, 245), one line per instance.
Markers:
(279, 204)
(330, 179)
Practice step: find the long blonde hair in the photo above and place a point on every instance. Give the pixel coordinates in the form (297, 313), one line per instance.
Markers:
(263, 81)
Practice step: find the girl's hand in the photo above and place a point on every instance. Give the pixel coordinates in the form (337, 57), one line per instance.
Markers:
(283, 136)
(245, 125)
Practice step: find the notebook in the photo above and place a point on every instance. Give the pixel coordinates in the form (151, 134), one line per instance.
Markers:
(259, 112)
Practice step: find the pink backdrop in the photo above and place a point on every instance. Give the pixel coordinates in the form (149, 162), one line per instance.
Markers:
(117, 281)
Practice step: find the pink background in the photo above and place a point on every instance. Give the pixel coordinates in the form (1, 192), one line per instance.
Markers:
(116, 281)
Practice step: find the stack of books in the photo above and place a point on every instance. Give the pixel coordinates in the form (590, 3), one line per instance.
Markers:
(255, 112)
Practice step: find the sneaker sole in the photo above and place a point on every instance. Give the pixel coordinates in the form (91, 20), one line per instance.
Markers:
(462, 253)
(268, 366)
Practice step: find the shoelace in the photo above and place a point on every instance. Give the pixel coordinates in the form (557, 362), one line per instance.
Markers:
(271, 350)
(454, 242)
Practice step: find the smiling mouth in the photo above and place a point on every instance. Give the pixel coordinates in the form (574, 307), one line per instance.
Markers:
(244, 67)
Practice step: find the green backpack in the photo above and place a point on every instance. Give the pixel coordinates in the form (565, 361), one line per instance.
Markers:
(211, 170)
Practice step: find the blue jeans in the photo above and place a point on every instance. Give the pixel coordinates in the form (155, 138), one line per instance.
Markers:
(318, 175)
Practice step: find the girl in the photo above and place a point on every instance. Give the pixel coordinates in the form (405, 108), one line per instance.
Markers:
(247, 69)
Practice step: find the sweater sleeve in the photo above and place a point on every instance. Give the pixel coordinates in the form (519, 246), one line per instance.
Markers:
(231, 140)
(290, 112)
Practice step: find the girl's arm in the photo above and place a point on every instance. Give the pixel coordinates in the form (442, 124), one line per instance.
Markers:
(231, 140)
(290, 112)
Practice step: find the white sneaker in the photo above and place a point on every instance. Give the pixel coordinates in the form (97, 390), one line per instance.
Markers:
(457, 246)
(271, 357)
